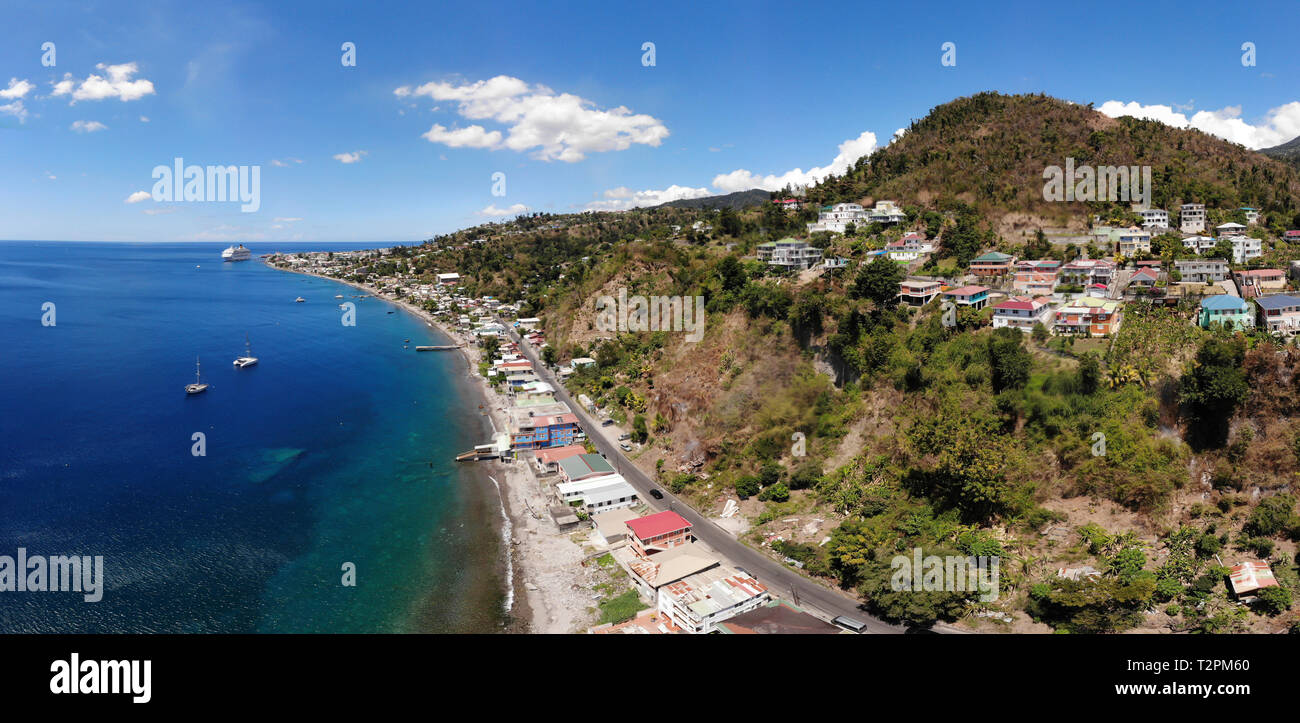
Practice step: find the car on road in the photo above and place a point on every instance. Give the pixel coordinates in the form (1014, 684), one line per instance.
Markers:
(850, 624)
(626, 447)
(607, 423)
(656, 494)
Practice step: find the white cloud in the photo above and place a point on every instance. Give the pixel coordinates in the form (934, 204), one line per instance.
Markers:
(353, 157)
(158, 211)
(495, 212)
(51, 176)
(17, 89)
(15, 109)
(144, 119)
(139, 196)
(1278, 126)
(287, 162)
(622, 198)
(286, 219)
(850, 151)
(554, 126)
(118, 84)
(82, 126)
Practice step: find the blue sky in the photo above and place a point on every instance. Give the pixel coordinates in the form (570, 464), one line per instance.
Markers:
(740, 94)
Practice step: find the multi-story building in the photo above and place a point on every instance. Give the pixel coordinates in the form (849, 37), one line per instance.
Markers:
(1291, 237)
(1144, 278)
(993, 263)
(1199, 244)
(909, 248)
(1191, 218)
(886, 212)
(598, 494)
(1133, 241)
(1087, 316)
(1257, 282)
(789, 253)
(1230, 229)
(656, 533)
(1231, 311)
(532, 429)
(1022, 312)
(1154, 219)
(1083, 272)
(1252, 215)
(1034, 283)
(1279, 313)
(836, 218)
(1202, 270)
(1245, 248)
(698, 603)
(917, 292)
(976, 297)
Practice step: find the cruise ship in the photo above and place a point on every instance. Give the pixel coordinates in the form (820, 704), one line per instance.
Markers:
(236, 253)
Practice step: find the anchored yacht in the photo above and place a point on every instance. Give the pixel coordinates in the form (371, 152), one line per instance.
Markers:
(198, 386)
(247, 360)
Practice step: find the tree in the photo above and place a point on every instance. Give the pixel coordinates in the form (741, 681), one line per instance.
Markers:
(776, 493)
(639, 432)
(747, 487)
(729, 222)
(1089, 373)
(1213, 389)
(879, 282)
(731, 274)
(549, 355)
(1273, 600)
(1008, 359)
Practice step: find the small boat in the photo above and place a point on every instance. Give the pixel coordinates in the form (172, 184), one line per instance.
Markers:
(299, 300)
(198, 386)
(338, 296)
(247, 360)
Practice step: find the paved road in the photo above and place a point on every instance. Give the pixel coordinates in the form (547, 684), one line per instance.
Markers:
(780, 580)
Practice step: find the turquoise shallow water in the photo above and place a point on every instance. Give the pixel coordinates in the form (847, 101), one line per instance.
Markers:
(335, 448)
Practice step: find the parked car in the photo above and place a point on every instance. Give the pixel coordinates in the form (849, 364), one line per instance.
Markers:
(626, 447)
(850, 624)
(607, 423)
(655, 493)
(624, 437)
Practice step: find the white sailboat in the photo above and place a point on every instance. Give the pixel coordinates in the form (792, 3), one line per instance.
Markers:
(247, 360)
(198, 386)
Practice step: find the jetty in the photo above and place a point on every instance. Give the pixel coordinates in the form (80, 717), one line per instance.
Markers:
(445, 347)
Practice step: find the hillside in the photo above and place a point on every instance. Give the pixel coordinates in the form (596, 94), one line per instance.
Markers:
(989, 151)
(739, 199)
(1289, 152)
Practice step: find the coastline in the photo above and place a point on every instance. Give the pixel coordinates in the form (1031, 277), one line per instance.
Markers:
(548, 588)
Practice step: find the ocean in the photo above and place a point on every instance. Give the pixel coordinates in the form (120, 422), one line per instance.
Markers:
(336, 448)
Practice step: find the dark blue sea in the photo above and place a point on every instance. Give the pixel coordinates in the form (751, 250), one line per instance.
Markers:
(336, 448)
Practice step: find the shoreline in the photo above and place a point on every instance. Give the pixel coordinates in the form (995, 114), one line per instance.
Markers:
(545, 580)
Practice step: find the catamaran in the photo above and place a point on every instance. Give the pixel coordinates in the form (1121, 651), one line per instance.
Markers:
(236, 253)
(198, 385)
(247, 360)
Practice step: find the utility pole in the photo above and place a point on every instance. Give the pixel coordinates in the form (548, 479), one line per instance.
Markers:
(794, 595)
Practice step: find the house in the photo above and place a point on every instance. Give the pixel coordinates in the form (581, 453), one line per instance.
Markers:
(548, 459)
(1252, 215)
(886, 212)
(789, 204)
(1155, 219)
(1042, 266)
(598, 494)
(656, 533)
(1097, 291)
(777, 617)
(837, 218)
(1256, 282)
(789, 253)
(1034, 283)
(534, 429)
(1022, 312)
(1202, 271)
(581, 362)
(917, 292)
(1191, 218)
(1082, 272)
(1199, 244)
(450, 279)
(1230, 229)
(909, 248)
(1249, 577)
(530, 323)
(1087, 316)
(575, 468)
(1291, 236)
(1231, 311)
(976, 297)
(699, 602)
(992, 263)
(1133, 241)
(1279, 313)
(1245, 248)
(1144, 278)
(611, 527)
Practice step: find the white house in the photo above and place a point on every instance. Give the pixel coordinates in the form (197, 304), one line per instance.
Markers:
(1245, 248)
(1191, 218)
(1154, 219)
(836, 218)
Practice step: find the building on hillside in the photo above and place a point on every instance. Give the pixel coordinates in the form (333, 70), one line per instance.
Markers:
(1144, 278)
(909, 248)
(1291, 237)
(1248, 578)
(1041, 266)
(837, 218)
(886, 212)
(1082, 272)
(1087, 316)
(1202, 270)
(656, 533)
(1252, 215)
(993, 263)
(1034, 283)
(651, 573)
(450, 279)
(1199, 244)
(699, 602)
(1257, 282)
(1245, 248)
(976, 297)
(789, 204)
(1155, 220)
(1022, 312)
(1191, 218)
(790, 253)
(1279, 313)
(1226, 309)
(918, 292)
(1133, 241)
(1231, 228)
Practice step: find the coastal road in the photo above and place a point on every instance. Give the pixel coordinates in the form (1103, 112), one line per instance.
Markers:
(780, 580)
